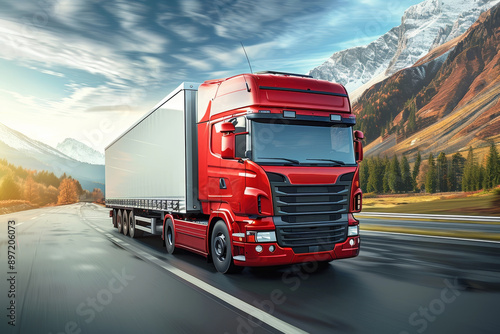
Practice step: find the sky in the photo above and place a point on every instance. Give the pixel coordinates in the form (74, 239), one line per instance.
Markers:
(88, 69)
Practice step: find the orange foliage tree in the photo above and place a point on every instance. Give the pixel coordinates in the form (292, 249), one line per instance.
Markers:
(67, 192)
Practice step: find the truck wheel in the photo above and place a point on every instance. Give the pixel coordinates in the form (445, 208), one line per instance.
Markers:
(132, 231)
(115, 212)
(220, 248)
(125, 222)
(119, 221)
(169, 236)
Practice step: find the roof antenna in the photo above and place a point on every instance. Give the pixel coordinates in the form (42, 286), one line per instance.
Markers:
(251, 71)
(247, 57)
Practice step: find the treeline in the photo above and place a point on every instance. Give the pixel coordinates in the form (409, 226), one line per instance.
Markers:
(41, 188)
(440, 174)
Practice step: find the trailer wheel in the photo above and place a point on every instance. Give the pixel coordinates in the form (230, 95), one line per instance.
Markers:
(119, 221)
(115, 218)
(220, 248)
(169, 236)
(125, 222)
(132, 231)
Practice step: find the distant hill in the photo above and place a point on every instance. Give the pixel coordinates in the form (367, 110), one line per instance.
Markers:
(81, 152)
(448, 100)
(21, 150)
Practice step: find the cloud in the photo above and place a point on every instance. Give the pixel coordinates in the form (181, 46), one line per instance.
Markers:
(123, 107)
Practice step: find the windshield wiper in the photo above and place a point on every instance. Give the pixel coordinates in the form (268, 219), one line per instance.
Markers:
(337, 162)
(297, 162)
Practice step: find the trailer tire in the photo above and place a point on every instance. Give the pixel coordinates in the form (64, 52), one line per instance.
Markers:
(125, 222)
(132, 231)
(119, 221)
(115, 218)
(220, 248)
(169, 236)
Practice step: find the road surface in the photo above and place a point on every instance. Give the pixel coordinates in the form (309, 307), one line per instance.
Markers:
(73, 273)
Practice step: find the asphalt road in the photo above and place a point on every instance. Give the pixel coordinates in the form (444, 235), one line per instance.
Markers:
(75, 274)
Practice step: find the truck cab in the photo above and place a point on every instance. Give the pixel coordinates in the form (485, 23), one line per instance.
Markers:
(278, 166)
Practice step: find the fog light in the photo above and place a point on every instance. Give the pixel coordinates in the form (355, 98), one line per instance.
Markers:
(351, 242)
(258, 248)
(271, 248)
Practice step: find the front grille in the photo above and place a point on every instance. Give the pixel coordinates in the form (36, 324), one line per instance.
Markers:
(311, 218)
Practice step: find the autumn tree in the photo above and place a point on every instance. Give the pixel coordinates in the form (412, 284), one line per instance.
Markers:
(31, 190)
(97, 195)
(9, 189)
(67, 192)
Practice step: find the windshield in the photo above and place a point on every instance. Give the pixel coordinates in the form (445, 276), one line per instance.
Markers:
(293, 144)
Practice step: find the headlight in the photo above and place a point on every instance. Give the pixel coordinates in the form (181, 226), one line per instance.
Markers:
(267, 236)
(352, 230)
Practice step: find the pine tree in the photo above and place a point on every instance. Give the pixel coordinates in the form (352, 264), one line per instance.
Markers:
(492, 172)
(442, 172)
(430, 180)
(385, 182)
(406, 177)
(416, 171)
(468, 178)
(394, 177)
(364, 174)
(456, 172)
(375, 181)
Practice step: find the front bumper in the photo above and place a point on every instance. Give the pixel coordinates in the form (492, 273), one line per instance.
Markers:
(285, 255)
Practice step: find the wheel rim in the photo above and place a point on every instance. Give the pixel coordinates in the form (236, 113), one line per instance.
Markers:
(119, 222)
(169, 236)
(220, 247)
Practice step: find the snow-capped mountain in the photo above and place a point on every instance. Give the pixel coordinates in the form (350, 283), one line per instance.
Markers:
(21, 150)
(81, 152)
(423, 27)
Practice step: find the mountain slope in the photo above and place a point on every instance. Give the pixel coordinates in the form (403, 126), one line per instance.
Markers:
(454, 107)
(423, 27)
(81, 152)
(21, 150)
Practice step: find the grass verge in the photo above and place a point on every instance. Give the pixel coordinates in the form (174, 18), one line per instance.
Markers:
(450, 234)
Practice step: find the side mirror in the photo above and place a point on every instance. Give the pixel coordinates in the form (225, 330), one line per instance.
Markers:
(358, 145)
(359, 135)
(228, 140)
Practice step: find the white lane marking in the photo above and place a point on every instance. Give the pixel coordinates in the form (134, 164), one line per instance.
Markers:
(427, 236)
(98, 229)
(34, 218)
(251, 310)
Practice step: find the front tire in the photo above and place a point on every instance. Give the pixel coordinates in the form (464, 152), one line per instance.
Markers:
(169, 236)
(220, 247)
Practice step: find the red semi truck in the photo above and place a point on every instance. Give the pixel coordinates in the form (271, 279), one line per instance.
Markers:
(253, 170)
